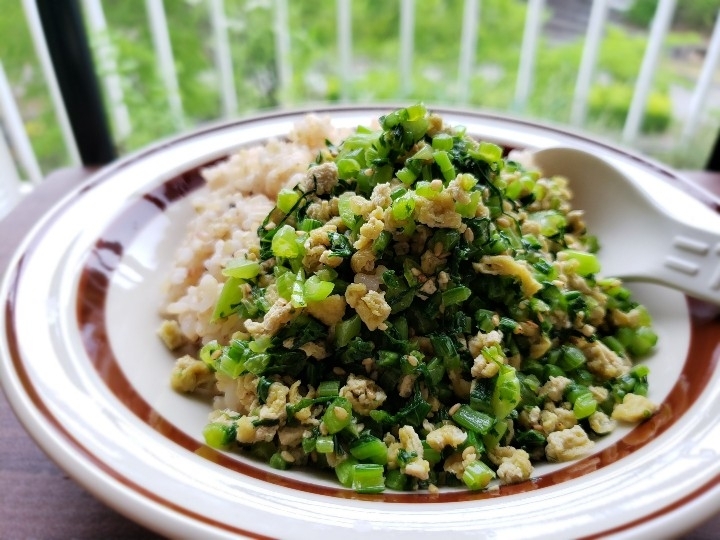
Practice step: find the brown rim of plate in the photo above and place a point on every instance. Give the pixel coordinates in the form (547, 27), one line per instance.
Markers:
(91, 318)
(92, 296)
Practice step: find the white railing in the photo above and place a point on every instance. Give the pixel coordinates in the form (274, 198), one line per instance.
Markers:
(13, 136)
(598, 16)
(19, 169)
(107, 67)
(658, 31)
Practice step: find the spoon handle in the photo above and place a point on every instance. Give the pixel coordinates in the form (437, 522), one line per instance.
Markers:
(691, 262)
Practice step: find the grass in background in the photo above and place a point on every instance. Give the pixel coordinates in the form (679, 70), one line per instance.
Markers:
(374, 74)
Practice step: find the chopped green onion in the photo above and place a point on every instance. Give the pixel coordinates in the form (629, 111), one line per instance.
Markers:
(297, 296)
(416, 128)
(368, 478)
(442, 141)
(369, 448)
(328, 389)
(587, 262)
(396, 117)
(346, 214)
(338, 415)
(284, 243)
(445, 350)
(344, 471)
(571, 358)
(425, 154)
(574, 390)
(327, 274)
(285, 284)
(347, 330)
(241, 268)
(551, 222)
(325, 444)
(286, 200)
(309, 224)
(387, 358)
(488, 152)
(396, 479)
(406, 176)
(230, 296)
(416, 111)
(277, 462)
(428, 190)
(492, 438)
(446, 167)
(456, 295)
(315, 289)
(507, 394)
(347, 168)
(467, 181)
(210, 352)
(473, 420)
(637, 341)
(381, 242)
(584, 406)
(402, 207)
(469, 209)
(484, 319)
(219, 435)
(477, 475)
(431, 455)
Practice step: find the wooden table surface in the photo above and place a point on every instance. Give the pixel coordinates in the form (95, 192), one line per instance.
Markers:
(37, 499)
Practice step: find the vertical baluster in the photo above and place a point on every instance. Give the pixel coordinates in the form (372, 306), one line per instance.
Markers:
(596, 24)
(41, 50)
(165, 60)
(704, 83)
(344, 38)
(223, 58)
(107, 66)
(10, 113)
(9, 179)
(282, 51)
(468, 44)
(407, 43)
(658, 30)
(528, 53)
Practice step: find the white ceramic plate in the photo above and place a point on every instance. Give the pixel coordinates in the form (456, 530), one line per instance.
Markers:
(87, 376)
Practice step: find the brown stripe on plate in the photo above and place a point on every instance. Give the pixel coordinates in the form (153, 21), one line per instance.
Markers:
(40, 406)
(92, 297)
(711, 484)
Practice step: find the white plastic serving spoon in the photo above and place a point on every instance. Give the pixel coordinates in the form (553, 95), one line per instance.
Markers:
(639, 238)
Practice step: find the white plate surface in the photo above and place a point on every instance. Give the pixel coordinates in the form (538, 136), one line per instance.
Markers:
(86, 374)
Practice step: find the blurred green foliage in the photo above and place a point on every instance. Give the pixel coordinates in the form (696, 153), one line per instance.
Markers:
(17, 55)
(693, 14)
(316, 75)
(610, 104)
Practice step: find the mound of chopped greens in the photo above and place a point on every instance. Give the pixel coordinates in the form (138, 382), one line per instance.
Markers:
(421, 311)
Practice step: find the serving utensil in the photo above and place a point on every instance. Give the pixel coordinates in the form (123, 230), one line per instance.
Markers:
(640, 239)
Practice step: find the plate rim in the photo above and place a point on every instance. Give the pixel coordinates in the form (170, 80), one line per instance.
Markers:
(11, 271)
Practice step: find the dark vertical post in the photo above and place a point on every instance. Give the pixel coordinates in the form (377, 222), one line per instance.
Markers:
(713, 163)
(67, 42)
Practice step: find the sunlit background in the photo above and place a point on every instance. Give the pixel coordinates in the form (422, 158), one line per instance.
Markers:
(532, 59)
